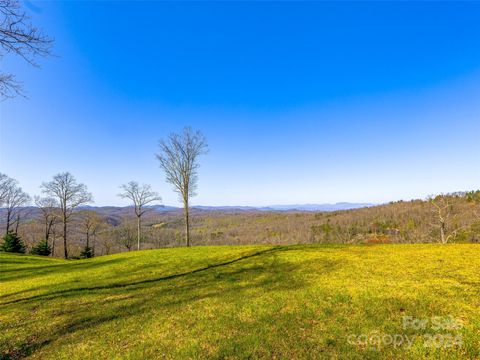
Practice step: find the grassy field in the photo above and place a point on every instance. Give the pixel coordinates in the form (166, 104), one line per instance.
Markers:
(288, 302)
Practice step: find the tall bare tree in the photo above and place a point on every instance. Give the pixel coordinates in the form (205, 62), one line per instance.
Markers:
(49, 209)
(140, 195)
(178, 158)
(70, 195)
(14, 198)
(19, 37)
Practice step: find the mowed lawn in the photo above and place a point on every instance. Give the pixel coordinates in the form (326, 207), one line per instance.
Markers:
(271, 302)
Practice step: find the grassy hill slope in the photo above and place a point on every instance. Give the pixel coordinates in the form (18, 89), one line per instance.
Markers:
(239, 302)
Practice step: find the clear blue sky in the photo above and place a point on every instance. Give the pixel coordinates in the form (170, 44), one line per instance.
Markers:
(301, 102)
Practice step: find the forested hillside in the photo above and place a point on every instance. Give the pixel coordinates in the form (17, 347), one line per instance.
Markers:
(111, 230)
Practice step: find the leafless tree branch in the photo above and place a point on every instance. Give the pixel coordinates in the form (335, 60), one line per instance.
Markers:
(178, 158)
(19, 37)
(70, 195)
(141, 195)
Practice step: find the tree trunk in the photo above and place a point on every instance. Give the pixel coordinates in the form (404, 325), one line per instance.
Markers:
(88, 238)
(442, 232)
(53, 245)
(17, 224)
(47, 231)
(8, 221)
(138, 232)
(187, 223)
(65, 251)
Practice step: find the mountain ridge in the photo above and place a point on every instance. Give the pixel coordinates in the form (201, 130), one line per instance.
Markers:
(286, 207)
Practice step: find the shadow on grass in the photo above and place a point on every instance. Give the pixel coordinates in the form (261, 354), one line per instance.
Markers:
(135, 283)
(35, 343)
(57, 269)
(262, 270)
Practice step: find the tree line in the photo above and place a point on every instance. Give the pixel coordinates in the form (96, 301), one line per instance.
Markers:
(63, 196)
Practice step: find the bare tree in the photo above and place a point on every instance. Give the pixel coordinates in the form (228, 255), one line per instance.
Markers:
(140, 195)
(18, 36)
(125, 235)
(90, 222)
(443, 211)
(178, 158)
(106, 239)
(49, 209)
(70, 195)
(5, 185)
(14, 198)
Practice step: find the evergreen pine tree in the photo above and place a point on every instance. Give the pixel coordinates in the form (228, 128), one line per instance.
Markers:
(42, 248)
(86, 253)
(13, 243)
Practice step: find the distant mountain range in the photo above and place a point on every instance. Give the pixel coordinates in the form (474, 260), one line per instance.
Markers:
(166, 208)
(292, 207)
(114, 213)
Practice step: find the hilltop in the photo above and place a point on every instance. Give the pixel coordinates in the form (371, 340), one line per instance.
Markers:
(291, 302)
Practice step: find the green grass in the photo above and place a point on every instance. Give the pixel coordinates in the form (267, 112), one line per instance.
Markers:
(288, 302)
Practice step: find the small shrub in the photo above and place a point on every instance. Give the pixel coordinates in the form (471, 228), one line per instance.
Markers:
(42, 248)
(86, 253)
(13, 243)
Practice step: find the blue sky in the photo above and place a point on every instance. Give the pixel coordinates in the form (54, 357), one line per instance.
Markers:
(301, 102)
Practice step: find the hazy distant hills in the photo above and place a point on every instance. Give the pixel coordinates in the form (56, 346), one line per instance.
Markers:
(292, 207)
(115, 213)
(233, 208)
(121, 210)
(319, 207)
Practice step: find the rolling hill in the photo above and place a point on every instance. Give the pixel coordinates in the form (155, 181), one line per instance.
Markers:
(290, 302)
